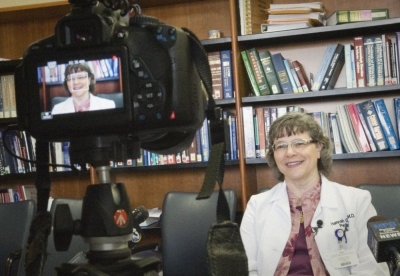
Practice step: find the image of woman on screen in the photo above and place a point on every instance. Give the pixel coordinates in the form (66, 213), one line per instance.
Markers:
(80, 82)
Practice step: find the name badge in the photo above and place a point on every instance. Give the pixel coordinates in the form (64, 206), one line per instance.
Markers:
(344, 258)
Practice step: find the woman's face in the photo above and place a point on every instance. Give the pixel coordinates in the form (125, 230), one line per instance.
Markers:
(297, 161)
(78, 83)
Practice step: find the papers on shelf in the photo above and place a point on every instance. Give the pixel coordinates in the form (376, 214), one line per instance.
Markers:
(154, 216)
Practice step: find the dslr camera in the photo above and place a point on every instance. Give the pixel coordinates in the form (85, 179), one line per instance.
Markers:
(146, 67)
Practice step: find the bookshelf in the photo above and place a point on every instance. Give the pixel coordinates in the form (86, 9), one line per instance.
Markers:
(147, 186)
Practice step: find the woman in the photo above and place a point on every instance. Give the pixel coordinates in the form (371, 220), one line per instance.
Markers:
(79, 83)
(306, 224)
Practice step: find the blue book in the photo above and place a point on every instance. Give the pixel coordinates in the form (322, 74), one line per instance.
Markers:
(374, 125)
(396, 102)
(290, 75)
(66, 156)
(387, 125)
(227, 82)
(205, 141)
(234, 139)
(283, 77)
(323, 67)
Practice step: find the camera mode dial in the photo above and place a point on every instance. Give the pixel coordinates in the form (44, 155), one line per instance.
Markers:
(143, 21)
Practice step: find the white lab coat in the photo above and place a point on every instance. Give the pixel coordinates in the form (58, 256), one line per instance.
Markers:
(96, 103)
(266, 226)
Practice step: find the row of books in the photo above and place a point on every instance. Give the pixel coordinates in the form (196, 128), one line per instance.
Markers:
(372, 61)
(273, 74)
(221, 72)
(8, 105)
(18, 193)
(102, 68)
(355, 127)
(251, 14)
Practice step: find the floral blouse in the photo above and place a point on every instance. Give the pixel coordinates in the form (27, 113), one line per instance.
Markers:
(302, 211)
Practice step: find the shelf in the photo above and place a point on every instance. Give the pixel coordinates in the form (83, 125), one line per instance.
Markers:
(59, 9)
(338, 92)
(321, 33)
(345, 156)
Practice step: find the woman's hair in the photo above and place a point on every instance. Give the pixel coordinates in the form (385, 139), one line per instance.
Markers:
(75, 68)
(294, 123)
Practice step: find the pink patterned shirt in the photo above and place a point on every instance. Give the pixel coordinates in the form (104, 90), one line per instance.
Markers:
(309, 202)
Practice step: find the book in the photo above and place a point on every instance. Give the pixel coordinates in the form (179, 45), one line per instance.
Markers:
(349, 138)
(291, 77)
(359, 62)
(336, 140)
(233, 136)
(370, 63)
(261, 130)
(379, 60)
(269, 28)
(277, 61)
(323, 67)
(334, 69)
(205, 140)
(351, 16)
(225, 118)
(301, 74)
(252, 13)
(313, 18)
(258, 71)
(256, 136)
(387, 126)
(396, 103)
(347, 63)
(227, 81)
(357, 126)
(6, 97)
(375, 128)
(250, 74)
(387, 74)
(365, 127)
(214, 60)
(248, 132)
(314, 6)
(270, 72)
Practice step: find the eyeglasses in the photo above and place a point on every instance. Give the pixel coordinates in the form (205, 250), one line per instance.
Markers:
(298, 144)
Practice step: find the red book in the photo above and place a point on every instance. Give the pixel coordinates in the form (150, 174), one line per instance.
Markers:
(357, 125)
(301, 74)
(359, 61)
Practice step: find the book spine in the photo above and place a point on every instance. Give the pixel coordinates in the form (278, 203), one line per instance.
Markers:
(394, 62)
(261, 130)
(334, 69)
(205, 141)
(387, 78)
(248, 124)
(374, 125)
(250, 74)
(6, 97)
(357, 126)
(387, 125)
(225, 117)
(396, 102)
(323, 67)
(199, 156)
(235, 150)
(351, 16)
(270, 72)
(370, 64)
(359, 61)
(347, 62)
(290, 75)
(337, 143)
(379, 61)
(258, 71)
(353, 68)
(277, 61)
(365, 127)
(301, 74)
(256, 136)
(227, 82)
(214, 60)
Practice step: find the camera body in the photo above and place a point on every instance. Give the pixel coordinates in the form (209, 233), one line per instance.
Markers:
(147, 63)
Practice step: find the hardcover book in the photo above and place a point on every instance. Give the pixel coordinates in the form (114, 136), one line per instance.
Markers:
(258, 71)
(250, 74)
(370, 62)
(347, 63)
(226, 66)
(358, 128)
(387, 126)
(334, 69)
(214, 60)
(270, 72)
(277, 61)
(365, 127)
(351, 16)
(291, 77)
(359, 61)
(301, 74)
(323, 67)
(248, 131)
(337, 143)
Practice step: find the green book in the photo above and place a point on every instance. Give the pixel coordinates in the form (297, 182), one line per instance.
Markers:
(258, 71)
(270, 72)
(250, 73)
(351, 16)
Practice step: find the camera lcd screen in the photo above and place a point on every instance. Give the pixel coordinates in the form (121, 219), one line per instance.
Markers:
(79, 85)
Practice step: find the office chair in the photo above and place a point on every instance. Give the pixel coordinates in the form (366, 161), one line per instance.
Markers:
(16, 218)
(385, 198)
(56, 258)
(185, 223)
